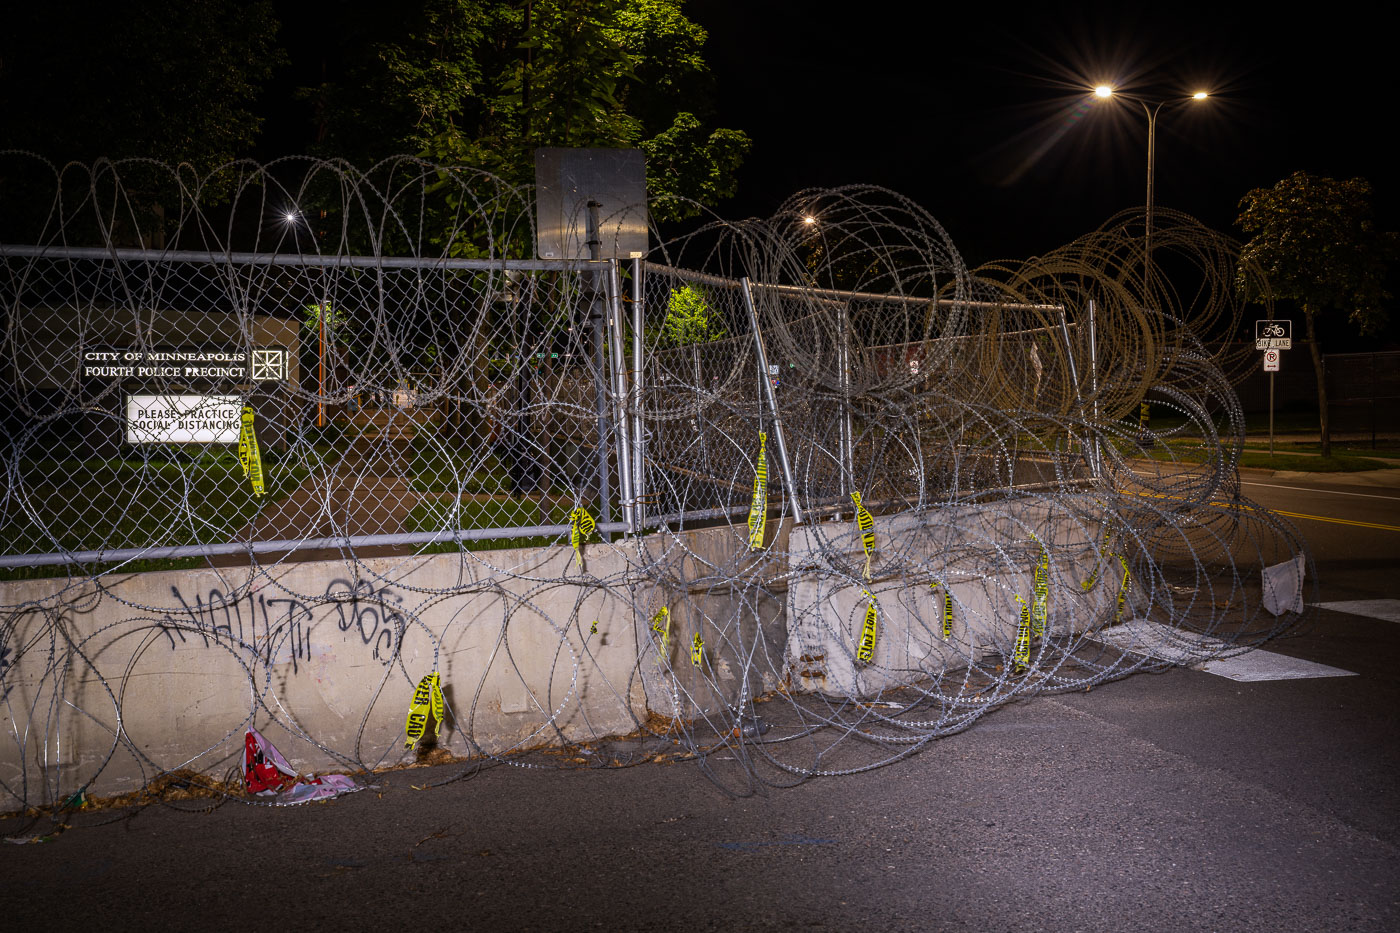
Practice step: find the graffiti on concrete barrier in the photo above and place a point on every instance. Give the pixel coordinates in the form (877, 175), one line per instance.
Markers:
(277, 629)
(372, 613)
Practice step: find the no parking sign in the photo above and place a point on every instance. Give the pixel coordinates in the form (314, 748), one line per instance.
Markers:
(1271, 361)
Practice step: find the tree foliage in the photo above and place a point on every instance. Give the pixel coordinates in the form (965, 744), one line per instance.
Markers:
(690, 319)
(1316, 240)
(486, 82)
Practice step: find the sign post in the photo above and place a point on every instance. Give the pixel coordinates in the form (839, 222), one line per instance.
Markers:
(1272, 337)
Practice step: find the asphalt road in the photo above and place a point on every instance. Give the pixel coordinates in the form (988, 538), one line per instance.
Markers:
(1176, 802)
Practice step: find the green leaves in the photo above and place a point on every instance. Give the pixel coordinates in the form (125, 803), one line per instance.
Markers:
(1315, 241)
(483, 84)
(686, 164)
(690, 320)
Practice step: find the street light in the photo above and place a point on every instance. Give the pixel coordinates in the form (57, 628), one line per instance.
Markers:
(1151, 108)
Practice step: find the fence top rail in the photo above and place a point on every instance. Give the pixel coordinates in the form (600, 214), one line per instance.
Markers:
(295, 259)
(836, 294)
(690, 275)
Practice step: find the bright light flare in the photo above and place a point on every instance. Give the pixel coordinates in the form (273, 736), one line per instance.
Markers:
(1199, 95)
(1103, 90)
(809, 219)
(290, 217)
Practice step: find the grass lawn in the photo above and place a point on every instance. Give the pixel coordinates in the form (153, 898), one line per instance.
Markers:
(468, 513)
(438, 469)
(84, 505)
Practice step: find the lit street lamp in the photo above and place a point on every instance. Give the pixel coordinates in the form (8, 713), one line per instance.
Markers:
(1151, 108)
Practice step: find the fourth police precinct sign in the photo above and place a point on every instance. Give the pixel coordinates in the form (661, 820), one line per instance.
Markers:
(263, 364)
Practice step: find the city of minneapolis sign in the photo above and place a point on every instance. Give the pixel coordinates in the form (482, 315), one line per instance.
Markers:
(261, 364)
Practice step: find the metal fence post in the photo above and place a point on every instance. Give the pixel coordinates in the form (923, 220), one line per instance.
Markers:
(620, 396)
(847, 430)
(762, 360)
(638, 437)
(598, 319)
(1094, 387)
(1073, 372)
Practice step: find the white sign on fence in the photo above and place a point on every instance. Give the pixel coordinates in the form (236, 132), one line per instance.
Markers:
(1273, 335)
(182, 419)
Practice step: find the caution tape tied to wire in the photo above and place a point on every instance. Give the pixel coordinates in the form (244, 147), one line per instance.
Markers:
(248, 454)
(758, 508)
(427, 698)
(1021, 658)
(697, 650)
(1039, 611)
(661, 625)
(866, 523)
(1093, 580)
(581, 525)
(947, 608)
(865, 652)
(1123, 588)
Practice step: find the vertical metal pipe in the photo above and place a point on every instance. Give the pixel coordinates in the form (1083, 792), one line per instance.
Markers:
(1069, 355)
(1096, 464)
(762, 359)
(638, 437)
(847, 442)
(620, 396)
(597, 318)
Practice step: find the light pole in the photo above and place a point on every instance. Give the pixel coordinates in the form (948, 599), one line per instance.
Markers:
(1151, 109)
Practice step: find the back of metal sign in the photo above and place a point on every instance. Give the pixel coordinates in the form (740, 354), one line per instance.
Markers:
(566, 180)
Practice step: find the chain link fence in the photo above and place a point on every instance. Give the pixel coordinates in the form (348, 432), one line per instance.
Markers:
(812, 457)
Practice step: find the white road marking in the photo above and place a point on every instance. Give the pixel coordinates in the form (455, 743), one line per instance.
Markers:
(1154, 640)
(1334, 492)
(1387, 610)
(1267, 665)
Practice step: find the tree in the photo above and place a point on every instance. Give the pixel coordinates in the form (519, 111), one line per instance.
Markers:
(690, 320)
(1315, 240)
(485, 82)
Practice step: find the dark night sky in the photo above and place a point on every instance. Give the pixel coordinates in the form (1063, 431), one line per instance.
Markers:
(971, 113)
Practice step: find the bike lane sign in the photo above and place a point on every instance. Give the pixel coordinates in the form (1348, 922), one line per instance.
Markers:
(1273, 335)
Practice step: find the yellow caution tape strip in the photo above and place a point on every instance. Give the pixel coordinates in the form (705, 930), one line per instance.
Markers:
(248, 454)
(581, 525)
(947, 609)
(866, 523)
(1021, 658)
(865, 652)
(426, 699)
(1123, 588)
(1039, 610)
(1093, 580)
(661, 625)
(697, 648)
(758, 508)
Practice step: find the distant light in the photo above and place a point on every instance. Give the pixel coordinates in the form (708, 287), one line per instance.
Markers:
(290, 217)
(809, 219)
(1103, 90)
(1199, 95)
